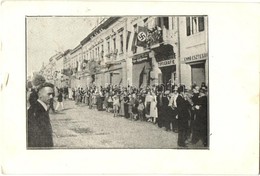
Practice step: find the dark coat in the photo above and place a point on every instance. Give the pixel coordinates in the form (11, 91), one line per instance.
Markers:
(183, 111)
(60, 97)
(39, 130)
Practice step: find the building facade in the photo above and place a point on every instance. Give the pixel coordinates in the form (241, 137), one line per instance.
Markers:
(139, 51)
(194, 57)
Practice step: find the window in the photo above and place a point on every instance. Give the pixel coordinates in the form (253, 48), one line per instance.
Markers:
(166, 22)
(121, 43)
(98, 52)
(201, 24)
(114, 40)
(188, 25)
(108, 47)
(194, 25)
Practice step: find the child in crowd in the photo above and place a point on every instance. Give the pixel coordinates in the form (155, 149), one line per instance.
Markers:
(116, 105)
(140, 109)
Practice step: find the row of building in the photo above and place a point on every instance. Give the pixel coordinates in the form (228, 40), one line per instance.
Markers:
(135, 51)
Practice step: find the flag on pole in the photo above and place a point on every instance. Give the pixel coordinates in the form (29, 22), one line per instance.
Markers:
(141, 77)
(142, 36)
(133, 48)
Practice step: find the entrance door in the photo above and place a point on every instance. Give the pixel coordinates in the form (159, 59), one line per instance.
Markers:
(198, 73)
(167, 74)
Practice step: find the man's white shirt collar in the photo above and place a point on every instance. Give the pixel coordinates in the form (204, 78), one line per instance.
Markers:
(43, 104)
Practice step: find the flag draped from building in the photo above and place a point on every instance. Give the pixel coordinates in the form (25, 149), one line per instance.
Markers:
(141, 77)
(142, 36)
(127, 39)
(133, 48)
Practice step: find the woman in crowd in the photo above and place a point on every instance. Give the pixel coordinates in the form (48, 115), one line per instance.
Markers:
(153, 107)
(147, 103)
(99, 100)
(122, 108)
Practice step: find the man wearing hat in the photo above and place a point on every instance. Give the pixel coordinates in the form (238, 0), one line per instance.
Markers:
(39, 130)
(183, 116)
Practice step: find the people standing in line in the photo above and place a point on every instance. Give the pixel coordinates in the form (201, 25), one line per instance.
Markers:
(60, 101)
(183, 116)
(39, 132)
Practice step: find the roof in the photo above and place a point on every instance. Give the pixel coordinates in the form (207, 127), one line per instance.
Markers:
(104, 25)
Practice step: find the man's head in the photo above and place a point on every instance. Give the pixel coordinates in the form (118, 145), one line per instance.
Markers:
(45, 92)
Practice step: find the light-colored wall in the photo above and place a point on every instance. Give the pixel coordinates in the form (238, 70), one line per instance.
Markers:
(191, 45)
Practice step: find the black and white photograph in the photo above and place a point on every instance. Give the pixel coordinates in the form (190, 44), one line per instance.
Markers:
(129, 88)
(128, 82)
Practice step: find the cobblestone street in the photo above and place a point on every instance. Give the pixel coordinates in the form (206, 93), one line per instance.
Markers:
(77, 126)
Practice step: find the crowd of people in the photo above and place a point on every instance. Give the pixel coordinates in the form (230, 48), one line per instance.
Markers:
(175, 108)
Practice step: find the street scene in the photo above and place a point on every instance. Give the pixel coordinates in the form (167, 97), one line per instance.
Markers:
(138, 82)
(77, 126)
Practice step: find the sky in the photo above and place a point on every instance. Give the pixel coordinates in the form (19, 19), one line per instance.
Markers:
(47, 36)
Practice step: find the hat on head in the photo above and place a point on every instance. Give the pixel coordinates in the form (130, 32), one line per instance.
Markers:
(181, 89)
(203, 90)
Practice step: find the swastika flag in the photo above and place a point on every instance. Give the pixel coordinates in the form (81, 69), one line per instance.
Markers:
(142, 36)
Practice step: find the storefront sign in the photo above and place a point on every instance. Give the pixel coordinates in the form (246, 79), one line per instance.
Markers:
(166, 63)
(196, 57)
(140, 58)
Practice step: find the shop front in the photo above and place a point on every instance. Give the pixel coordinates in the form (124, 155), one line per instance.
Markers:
(114, 74)
(168, 71)
(166, 62)
(198, 67)
(141, 70)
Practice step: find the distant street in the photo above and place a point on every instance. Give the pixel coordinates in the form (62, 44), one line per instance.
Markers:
(77, 126)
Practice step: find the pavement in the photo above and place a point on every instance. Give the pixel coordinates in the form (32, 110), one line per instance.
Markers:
(77, 126)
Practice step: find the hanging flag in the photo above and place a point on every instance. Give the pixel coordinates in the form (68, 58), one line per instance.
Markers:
(133, 48)
(127, 39)
(142, 36)
(141, 77)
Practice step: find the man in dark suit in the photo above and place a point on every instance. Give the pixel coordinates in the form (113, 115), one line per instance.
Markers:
(183, 116)
(39, 130)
